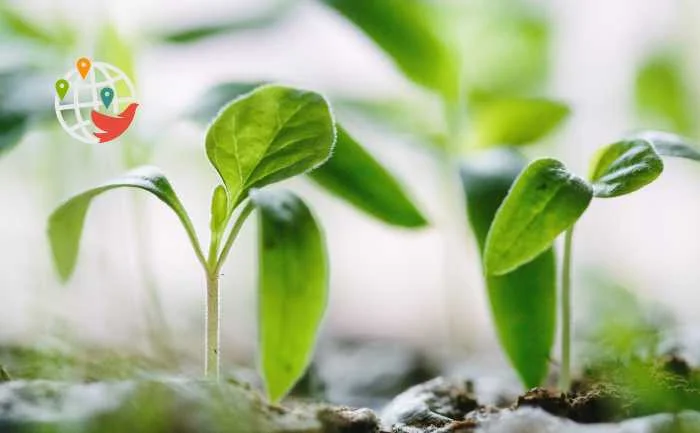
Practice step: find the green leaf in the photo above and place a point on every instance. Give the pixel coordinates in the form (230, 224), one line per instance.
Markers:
(624, 167)
(668, 144)
(12, 129)
(114, 48)
(293, 288)
(219, 209)
(417, 118)
(515, 121)
(523, 302)
(19, 26)
(66, 222)
(354, 175)
(493, 35)
(662, 94)
(545, 200)
(269, 135)
(407, 31)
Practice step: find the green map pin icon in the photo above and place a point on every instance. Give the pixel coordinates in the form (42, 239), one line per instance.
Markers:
(107, 94)
(62, 87)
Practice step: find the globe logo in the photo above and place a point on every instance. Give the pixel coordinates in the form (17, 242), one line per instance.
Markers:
(95, 102)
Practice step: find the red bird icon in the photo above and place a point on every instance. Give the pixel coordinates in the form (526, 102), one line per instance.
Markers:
(113, 127)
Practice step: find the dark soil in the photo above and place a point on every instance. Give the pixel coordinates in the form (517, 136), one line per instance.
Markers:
(615, 391)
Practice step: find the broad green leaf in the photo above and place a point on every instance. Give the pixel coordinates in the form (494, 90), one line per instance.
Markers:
(293, 288)
(523, 302)
(668, 144)
(544, 201)
(210, 103)
(66, 222)
(662, 94)
(407, 31)
(515, 121)
(624, 167)
(354, 175)
(269, 135)
(12, 129)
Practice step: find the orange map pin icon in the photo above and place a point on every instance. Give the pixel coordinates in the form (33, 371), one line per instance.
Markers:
(83, 64)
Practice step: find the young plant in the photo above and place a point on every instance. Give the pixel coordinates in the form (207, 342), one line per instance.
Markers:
(487, 112)
(263, 137)
(547, 200)
(455, 52)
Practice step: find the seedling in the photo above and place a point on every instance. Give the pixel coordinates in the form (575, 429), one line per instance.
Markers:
(263, 137)
(483, 108)
(547, 200)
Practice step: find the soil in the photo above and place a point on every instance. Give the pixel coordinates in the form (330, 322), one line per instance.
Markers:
(610, 392)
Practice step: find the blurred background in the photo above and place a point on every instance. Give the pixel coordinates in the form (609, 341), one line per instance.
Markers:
(619, 65)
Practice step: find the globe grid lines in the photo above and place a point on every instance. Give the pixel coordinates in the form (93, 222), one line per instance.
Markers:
(111, 76)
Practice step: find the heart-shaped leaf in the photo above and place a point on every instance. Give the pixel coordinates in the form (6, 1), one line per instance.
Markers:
(66, 222)
(407, 31)
(668, 144)
(515, 121)
(357, 177)
(293, 288)
(267, 136)
(624, 167)
(545, 200)
(523, 302)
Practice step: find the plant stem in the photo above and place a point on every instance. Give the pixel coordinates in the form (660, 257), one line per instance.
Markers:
(212, 340)
(233, 234)
(453, 229)
(565, 374)
(212, 266)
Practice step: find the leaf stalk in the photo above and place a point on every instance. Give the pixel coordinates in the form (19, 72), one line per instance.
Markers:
(565, 373)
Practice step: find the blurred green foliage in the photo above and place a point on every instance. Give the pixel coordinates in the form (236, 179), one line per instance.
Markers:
(353, 174)
(268, 17)
(514, 121)
(408, 32)
(618, 325)
(663, 95)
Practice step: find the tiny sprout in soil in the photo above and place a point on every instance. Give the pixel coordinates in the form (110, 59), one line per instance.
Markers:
(547, 200)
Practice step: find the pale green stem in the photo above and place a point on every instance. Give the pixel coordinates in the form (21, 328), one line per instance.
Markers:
(192, 236)
(565, 373)
(454, 234)
(212, 341)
